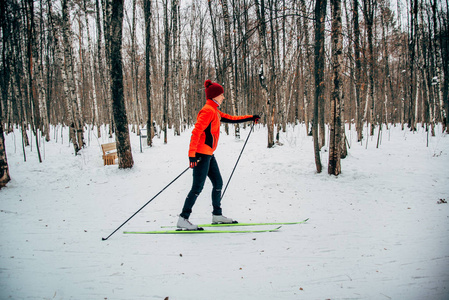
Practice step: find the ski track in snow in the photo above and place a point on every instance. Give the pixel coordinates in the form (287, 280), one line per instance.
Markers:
(375, 232)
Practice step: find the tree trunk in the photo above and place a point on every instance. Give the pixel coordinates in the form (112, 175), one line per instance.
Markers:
(217, 59)
(40, 76)
(334, 167)
(388, 91)
(166, 71)
(137, 114)
(70, 84)
(107, 20)
(148, 55)
(91, 55)
(412, 53)
(33, 94)
(441, 82)
(368, 10)
(100, 63)
(118, 102)
(228, 65)
(4, 168)
(266, 85)
(322, 72)
(176, 91)
(358, 70)
(444, 73)
(320, 15)
(308, 70)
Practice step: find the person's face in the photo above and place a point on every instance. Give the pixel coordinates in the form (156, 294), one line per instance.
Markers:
(219, 99)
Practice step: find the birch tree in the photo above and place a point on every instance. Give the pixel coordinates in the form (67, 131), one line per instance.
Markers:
(308, 64)
(266, 84)
(92, 69)
(134, 68)
(228, 65)
(216, 48)
(176, 80)
(31, 78)
(76, 123)
(368, 11)
(148, 55)
(40, 74)
(334, 167)
(107, 28)
(166, 71)
(100, 62)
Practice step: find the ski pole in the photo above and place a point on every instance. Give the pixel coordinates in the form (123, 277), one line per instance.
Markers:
(235, 166)
(104, 239)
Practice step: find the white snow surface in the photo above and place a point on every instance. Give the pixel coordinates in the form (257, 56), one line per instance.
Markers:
(375, 232)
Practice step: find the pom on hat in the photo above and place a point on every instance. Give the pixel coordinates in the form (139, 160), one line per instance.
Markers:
(207, 83)
(213, 89)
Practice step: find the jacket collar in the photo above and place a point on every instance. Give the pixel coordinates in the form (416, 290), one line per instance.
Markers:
(212, 103)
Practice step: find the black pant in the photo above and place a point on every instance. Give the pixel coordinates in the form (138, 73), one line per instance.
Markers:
(207, 167)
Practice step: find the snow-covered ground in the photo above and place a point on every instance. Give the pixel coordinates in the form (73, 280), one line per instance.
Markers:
(375, 232)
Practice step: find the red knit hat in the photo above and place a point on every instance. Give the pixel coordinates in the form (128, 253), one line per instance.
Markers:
(213, 89)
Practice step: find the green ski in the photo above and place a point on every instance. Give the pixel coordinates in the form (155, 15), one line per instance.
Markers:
(200, 231)
(247, 224)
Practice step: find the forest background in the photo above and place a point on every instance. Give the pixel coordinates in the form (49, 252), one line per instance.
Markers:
(86, 63)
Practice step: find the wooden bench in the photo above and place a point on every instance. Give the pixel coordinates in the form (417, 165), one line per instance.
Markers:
(109, 153)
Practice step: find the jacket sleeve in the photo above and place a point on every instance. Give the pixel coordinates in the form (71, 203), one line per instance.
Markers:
(202, 121)
(225, 118)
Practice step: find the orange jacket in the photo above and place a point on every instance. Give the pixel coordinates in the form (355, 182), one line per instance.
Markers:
(205, 135)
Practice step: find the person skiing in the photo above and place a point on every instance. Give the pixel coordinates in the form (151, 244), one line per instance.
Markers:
(203, 142)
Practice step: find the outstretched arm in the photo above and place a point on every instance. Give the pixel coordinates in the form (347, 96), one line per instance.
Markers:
(225, 118)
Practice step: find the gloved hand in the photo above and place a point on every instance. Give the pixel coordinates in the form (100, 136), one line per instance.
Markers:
(256, 118)
(193, 162)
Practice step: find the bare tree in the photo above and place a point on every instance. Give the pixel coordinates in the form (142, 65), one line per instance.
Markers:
(386, 18)
(134, 68)
(368, 11)
(31, 78)
(334, 167)
(308, 80)
(266, 83)
(107, 20)
(92, 68)
(166, 71)
(358, 69)
(148, 55)
(100, 62)
(4, 168)
(228, 64)
(216, 48)
(441, 62)
(40, 75)
(320, 15)
(176, 80)
(118, 102)
(73, 109)
(412, 61)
